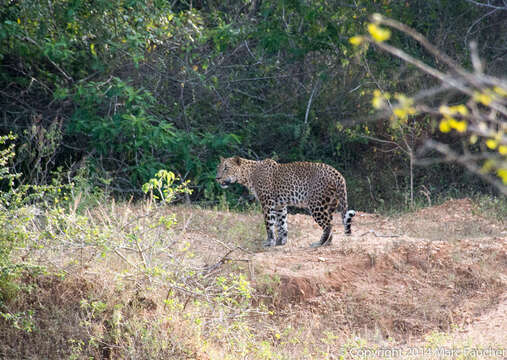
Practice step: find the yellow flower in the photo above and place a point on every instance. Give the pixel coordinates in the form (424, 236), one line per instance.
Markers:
(377, 102)
(473, 139)
(379, 34)
(483, 98)
(445, 110)
(502, 149)
(500, 91)
(488, 165)
(460, 126)
(460, 109)
(92, 49)
(411, 110)
(400, 113)
(401, 98)
(502, 173)
(492, 144)
(452, 122)
(356, 40)
(379, 99)
(444, 126)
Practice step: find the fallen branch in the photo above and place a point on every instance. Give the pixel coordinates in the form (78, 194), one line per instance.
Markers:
(233, 248)
(210, 269)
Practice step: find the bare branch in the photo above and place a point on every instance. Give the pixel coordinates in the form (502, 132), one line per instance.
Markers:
(424, 67)
(310, 101)
(452, 156)
(488, 5)
(30, 40)
(425, 43)
(395, 144)
(475, 23)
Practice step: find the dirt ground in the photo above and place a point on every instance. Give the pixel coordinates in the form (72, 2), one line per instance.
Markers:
(440, 269)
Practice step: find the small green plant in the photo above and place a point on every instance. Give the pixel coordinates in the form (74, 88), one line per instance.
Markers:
(6, 155)
(235, 290)
(162, 187)
(21, 320)
(11, 229)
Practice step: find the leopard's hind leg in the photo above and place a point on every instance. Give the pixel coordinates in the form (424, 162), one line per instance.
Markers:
(323, 215)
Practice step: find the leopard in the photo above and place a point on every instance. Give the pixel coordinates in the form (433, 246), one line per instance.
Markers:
(316, 187)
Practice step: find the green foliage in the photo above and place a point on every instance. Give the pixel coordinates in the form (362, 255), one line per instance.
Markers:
(11, 225)
(6, 155)
(17, 215)
(125, 88)
(117, 120)
(162, 188)
(235, 290)
(21, 320)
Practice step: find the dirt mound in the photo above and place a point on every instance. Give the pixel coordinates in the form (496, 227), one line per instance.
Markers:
(385, 280)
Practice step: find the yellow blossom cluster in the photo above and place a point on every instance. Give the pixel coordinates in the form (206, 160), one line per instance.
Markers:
(448, 122)
(404, 107)
(356, 40)
(502, 173)
(379, 99)
(491, 166)
(377, 33)
(486, 96)
(494, 143)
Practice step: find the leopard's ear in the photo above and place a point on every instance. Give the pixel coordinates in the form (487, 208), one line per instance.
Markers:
(221, 158)
(237, 160)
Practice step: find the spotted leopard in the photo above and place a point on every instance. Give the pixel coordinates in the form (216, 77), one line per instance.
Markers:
(315, 186)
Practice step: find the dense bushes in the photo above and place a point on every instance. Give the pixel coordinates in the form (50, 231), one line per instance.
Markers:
(124, 88)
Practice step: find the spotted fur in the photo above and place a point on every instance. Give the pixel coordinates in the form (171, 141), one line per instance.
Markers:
(315, 186)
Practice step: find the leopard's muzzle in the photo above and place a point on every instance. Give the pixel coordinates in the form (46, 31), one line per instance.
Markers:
(224, 183)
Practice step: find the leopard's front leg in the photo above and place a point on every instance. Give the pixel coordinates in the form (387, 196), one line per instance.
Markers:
(281, 226)
(269, 220)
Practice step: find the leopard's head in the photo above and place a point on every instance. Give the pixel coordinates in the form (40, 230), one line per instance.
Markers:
(230, 171)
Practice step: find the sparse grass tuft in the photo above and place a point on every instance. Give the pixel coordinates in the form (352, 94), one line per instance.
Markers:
(492, 206)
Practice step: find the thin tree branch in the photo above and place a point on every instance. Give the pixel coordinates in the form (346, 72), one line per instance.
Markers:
(488, 5)
(452, 156)
(30, 40)
(310, 101)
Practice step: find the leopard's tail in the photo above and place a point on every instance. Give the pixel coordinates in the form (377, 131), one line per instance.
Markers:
(347, 221)
(346, 214)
